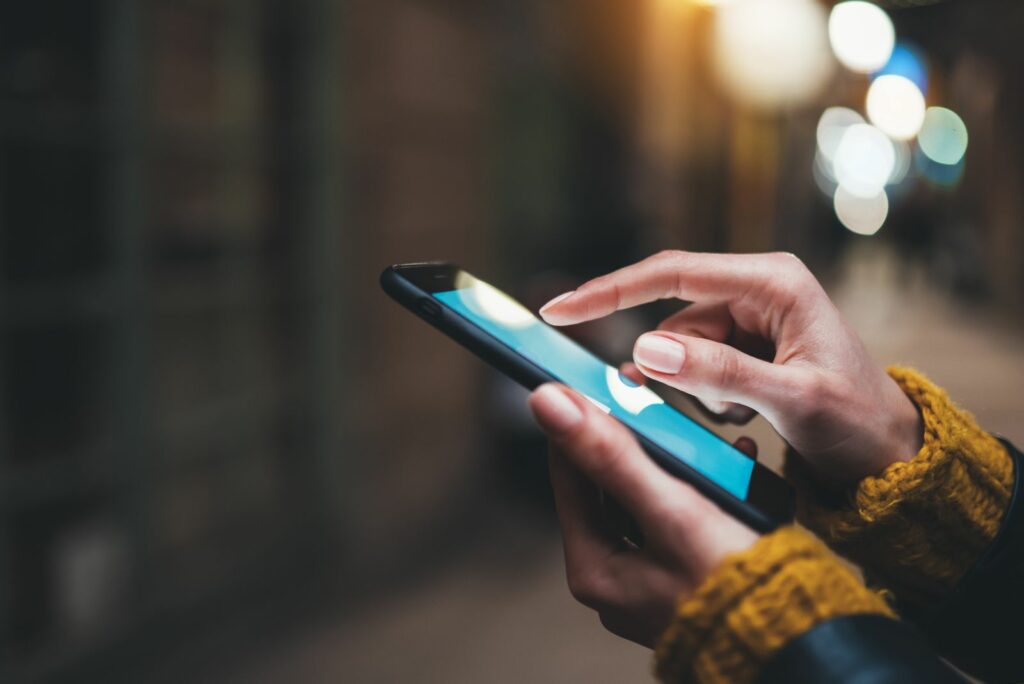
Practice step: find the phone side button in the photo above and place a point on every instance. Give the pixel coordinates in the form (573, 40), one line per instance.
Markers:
(429, 308)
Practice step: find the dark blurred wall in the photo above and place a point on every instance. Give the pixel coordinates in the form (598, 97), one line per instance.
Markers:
(417, 135)
(170, 321)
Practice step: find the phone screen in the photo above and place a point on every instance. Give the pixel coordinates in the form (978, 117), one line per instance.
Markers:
(635, 405)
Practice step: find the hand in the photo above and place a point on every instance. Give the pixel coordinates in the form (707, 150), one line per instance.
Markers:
(685, 535)
(762, 336)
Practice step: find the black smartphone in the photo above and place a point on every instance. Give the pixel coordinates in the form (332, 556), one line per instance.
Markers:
(507, 335)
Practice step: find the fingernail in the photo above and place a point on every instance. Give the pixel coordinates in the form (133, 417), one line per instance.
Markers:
(659, 353)
(556, 413)
(556, 300)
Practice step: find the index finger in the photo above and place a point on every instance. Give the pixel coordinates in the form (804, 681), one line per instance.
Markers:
(682, 275)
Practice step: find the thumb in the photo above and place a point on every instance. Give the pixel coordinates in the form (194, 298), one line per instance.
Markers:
(716, 372)
(604, 451)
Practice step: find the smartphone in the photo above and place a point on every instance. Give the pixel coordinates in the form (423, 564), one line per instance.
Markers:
(507, 335)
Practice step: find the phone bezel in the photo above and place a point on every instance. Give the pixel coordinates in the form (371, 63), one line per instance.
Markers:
(770, 501)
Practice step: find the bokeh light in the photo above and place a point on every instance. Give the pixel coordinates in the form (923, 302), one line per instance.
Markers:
(861, 215)
(943, 136)
(821, 170)
(832, 125)
(772, 53)
(896, 105)
(862, 35)
(904, 160)
(864, 161)
(907, 61)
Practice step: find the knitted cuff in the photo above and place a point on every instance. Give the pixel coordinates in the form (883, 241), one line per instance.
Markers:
(755, 602)
(920, 525)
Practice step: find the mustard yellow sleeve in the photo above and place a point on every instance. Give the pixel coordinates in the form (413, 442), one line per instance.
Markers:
(754, 603)
(920, 525)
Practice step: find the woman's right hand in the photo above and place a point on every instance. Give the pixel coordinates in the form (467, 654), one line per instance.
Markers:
(762, 335)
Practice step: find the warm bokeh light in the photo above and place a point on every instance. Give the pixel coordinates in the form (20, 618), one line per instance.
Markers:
(861, 215)
(862, 35)
(864, 161)
(896, 105)
(943, 136)
(772, 53)
(832, 125)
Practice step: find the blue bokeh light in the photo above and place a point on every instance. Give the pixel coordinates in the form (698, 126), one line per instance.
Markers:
(907, 61)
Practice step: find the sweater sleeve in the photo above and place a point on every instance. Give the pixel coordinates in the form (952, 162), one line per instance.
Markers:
(920, 525)
(755, 602)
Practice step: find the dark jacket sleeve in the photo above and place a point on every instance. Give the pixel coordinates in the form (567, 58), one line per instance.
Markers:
(978, 627)
(858, 649)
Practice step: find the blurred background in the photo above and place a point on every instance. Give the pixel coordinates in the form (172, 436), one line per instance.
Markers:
(225, 455)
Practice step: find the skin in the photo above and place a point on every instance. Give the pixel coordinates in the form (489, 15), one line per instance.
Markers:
(760, 336)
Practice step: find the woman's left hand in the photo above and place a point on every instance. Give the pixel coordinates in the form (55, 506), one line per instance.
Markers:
(686, 536)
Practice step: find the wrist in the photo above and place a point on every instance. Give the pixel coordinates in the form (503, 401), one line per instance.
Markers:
(906, 429)
(919, 525)
(895, 436)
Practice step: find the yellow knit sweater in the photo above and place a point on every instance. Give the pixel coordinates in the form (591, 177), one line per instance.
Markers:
(915, 529)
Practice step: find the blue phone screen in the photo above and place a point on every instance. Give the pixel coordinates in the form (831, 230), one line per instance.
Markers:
(636, 406)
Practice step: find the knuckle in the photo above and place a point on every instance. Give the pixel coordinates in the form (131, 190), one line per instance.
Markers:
(787, 258)
(670, 263)
(820, 388)
(727, 369)
(587, 588)
(789, 262)
(795, 278)
(669, 255)
(671, 259)
(814, 395)
(612, 622)
(604, 452)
